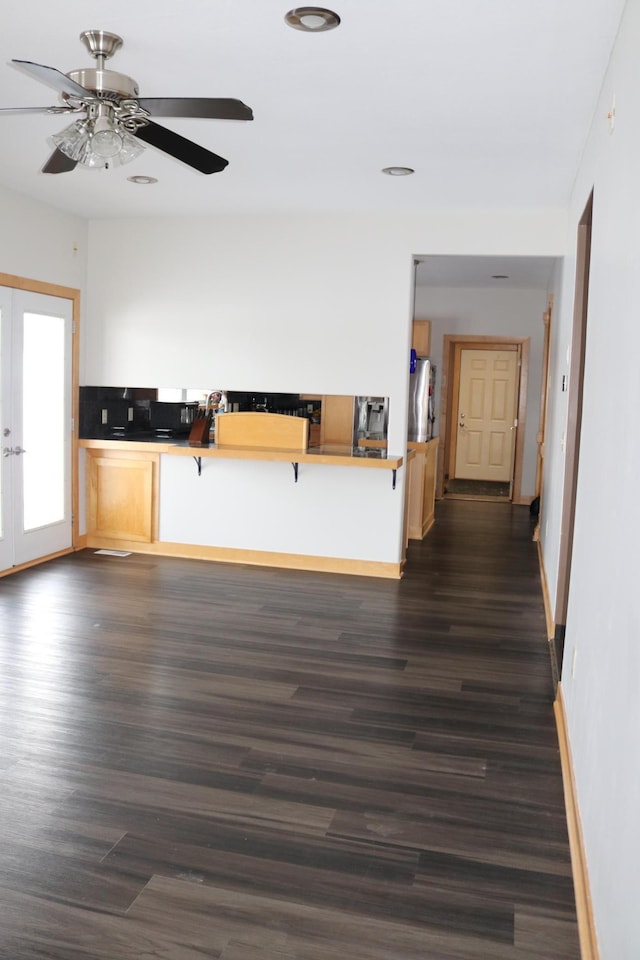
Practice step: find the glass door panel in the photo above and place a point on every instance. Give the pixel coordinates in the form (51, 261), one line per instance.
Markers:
(6, 443)
(43, 420)
(36, 425)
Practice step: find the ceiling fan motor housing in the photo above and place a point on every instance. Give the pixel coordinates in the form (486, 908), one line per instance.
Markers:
(106, 84)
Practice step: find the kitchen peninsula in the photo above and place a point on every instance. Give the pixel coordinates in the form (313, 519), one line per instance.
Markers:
(258, 497)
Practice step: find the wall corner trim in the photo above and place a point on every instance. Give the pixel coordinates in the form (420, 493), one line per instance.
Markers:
(584, 908)
(548, 613)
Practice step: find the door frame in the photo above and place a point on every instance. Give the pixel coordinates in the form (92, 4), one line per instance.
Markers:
(574, 426)
(72, 294)
(452, 344)
(544, 401)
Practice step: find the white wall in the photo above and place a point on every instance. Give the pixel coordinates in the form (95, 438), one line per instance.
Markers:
(601, 674)
(344, 512)
(38, 242)
(262, 303)
(508, 313)
(317, 304)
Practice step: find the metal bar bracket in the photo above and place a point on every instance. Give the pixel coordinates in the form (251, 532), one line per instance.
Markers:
(198, 462)
(295, 471)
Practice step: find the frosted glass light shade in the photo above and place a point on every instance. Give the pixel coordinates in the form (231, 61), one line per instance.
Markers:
(97, 145)
(106, 139)
(72, 141)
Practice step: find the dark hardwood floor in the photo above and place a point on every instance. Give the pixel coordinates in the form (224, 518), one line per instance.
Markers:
(209, 761)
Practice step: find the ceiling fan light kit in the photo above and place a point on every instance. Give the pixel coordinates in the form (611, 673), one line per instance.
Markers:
(101, 140)
(96, 147)
(114, 118)
(312, 19)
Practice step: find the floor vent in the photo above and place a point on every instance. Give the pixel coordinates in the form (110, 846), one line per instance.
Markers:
(114, 553)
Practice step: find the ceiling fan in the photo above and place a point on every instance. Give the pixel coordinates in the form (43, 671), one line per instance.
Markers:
(112, 118)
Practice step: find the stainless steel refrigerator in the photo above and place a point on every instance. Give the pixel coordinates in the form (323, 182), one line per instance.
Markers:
(421, 396)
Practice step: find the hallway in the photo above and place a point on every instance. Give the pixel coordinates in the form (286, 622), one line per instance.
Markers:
(201, 760)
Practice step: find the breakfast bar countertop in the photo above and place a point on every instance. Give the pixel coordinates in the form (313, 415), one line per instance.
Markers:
(329, 454)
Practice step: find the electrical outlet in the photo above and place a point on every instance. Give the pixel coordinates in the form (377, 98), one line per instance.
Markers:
(611, 116)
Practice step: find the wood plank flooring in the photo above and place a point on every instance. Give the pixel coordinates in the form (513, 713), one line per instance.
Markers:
(210, 761)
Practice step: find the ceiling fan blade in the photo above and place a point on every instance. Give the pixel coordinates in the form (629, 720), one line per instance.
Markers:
(53, 110)
(59, 162)
(209, 108)
(53, 78)
(182, 149)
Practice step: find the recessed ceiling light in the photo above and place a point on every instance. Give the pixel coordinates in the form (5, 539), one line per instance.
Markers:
(312, 19)
(499, 276)
(140, 179)
(398, 171)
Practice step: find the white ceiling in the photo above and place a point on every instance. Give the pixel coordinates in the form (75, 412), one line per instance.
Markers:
(489, 102)
(488, 273)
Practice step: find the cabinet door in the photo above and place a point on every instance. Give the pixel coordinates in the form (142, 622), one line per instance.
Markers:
(429, 489)
(415, 495)
(121, 501)
(336, 420)
(422, 489)
(421, 337)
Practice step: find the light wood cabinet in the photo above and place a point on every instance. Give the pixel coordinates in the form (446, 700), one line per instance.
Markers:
(262, 430)
(422, 488)
(421, 337)
(122, 502)
(336, 420)
(123, 499)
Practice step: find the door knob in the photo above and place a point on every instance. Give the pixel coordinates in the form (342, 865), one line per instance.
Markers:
(461, 424)
(6, 432)
(18, 450)
(7, 451)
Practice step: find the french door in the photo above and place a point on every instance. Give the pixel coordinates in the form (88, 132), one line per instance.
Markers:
(36, 426)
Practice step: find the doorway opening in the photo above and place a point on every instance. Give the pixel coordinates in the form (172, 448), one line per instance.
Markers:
(483, 448)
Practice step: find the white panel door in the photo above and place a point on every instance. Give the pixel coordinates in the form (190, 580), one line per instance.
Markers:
(486, 415)
(36, 426)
